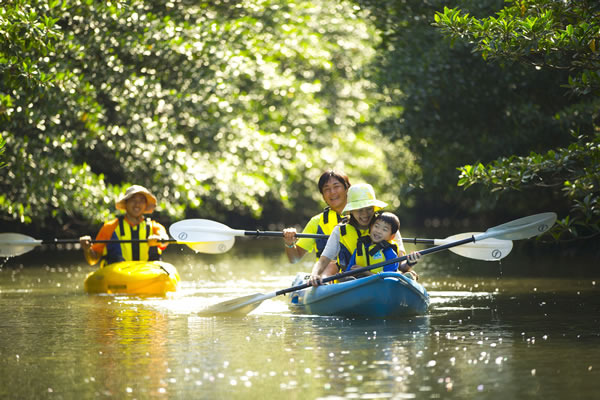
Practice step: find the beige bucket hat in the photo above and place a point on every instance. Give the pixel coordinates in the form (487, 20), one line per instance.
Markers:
(362, 195)
(134, 189)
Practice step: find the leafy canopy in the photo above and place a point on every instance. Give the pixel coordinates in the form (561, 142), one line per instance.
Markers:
(555, 35)
(219, 107)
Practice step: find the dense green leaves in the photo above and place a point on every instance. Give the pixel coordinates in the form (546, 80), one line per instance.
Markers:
(547, 35)
(542, 33)
(2, 164)
(453, 107)
(575, 170)
(218, 107)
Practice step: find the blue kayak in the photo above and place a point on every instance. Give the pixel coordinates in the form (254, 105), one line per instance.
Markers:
(383, 295)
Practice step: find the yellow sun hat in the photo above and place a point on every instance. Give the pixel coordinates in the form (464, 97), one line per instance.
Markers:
(362, 195)
(134, 189)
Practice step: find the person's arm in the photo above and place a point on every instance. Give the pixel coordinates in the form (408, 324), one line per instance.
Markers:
(399, 243)
(91, 256)
(413, 258)
(292, 250)
(93, 252)
(403, 266)
(158, 233)
(329, 255)
(317, 271)
(296, 249)
(407, 265)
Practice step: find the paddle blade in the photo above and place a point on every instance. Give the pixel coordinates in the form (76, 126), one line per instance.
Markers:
(203, 235)
(522, 228)
(487, 250)
(211, 247)
(239, 306)
(15, 244)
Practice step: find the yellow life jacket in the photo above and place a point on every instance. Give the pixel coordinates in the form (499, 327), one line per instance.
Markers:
(349, 235)
(368, 253)
(327, 221)
(130, 251)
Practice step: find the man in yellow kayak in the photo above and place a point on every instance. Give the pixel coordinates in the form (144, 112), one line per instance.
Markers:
(135, 237)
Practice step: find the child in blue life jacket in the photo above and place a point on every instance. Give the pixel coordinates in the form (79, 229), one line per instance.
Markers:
(378, 246)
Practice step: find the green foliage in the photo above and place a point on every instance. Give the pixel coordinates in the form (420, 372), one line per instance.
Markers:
(220, 108)
(574, 169)
(2, 143)
(27, 37)
(559, 35)
(541, 33)
(452, 107)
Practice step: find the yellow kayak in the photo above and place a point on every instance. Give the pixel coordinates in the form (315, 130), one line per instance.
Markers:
(133, 277)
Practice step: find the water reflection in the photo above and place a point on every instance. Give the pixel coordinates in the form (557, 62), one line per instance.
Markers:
(486, 336)
(314, 354)
(126, 344)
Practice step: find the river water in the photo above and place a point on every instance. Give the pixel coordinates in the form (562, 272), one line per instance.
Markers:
(525, 328)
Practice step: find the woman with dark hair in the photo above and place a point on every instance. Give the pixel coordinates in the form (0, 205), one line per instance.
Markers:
(333, 186)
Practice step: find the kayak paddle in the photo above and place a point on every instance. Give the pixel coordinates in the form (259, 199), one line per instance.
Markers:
(207, 231)
(521, 228)
(15, 244)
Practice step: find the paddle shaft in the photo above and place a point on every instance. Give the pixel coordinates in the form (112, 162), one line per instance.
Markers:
(280, 234)
(322, 236)
(64, 241)
(380, 264)
(246, 233)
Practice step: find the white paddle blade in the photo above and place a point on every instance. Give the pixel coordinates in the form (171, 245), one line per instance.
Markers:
(202, 230)
(487, 250)
(15, 244)
(239, 306)
(203, 235)
(522, 228)
(211, 247)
